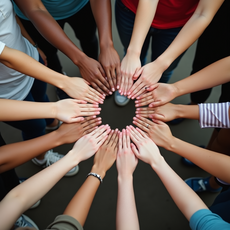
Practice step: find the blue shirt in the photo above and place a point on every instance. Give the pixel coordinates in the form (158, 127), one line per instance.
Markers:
(59, 9)
(204, 219)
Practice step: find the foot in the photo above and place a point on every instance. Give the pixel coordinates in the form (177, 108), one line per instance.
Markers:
(52, 157)
(120, 99)
(25, 221)
(200, 184)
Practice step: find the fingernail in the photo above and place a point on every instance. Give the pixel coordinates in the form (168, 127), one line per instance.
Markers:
(138, 109)
(110, 93)
(134, 118)
(113, 89)
(138, 97)
(132, 97)
(118, 87)
(150, 106)
(138, 115)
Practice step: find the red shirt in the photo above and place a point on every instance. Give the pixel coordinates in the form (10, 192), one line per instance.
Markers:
(169, 13)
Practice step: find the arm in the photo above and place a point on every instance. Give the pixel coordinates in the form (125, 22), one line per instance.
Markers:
(206, 78)
(169, 112)
(131, 62)
(151, 73)
(90, 69)
(79, 206)
(126, 217)
(74, 86)
(179, 191)
(27, 150)
(26, 194)
(108, 57)
(215, 163)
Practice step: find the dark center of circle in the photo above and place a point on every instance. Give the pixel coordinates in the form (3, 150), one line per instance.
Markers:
(117, 116)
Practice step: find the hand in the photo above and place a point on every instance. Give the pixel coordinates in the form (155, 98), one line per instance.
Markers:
(145, 148)
(106, 154)
(93, 73)
(126, 160)
(88, 145)
(129, 66)
(71, 110)
(158, 131)
(78, 88)
(110, 62)
(149, 75)
(43, 56)
(164, 113)
(70, 133)
(159, 94)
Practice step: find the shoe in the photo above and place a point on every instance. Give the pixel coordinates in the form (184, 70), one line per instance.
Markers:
(188, 162)
(200, 184)
(25, 221)
(21, 180)
(120, 99)
(54, 127)
(52, 157)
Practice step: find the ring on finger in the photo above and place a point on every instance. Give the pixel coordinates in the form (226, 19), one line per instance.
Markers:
(147, 125)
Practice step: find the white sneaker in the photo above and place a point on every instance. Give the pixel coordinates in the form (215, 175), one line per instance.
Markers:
(25, 221)
(120, 99)
(52, 157)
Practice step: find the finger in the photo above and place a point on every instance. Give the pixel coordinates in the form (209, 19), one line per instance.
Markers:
(96, 93)
(102, 140)
(124, 138)
(142, 133)
(141, 91)
(80, 101)
(88, 119)
(113, 137)
(133, 134)
(118, 74)
(122, 84)
(76, 119)
(103, 85)
(128, 139)
(137, 73)
(92, 123)
(139, 124)
(115, 142)
(89, 130)
(157, 117)
(120, 141)
(96, 87)
(108, 74)
(144, 102)
(156, 104)
(135, 85)
(109, 137)
(149, 94)
(136, 90)
(134, 149)
(102, 135)
(114, 79)
(137, 134)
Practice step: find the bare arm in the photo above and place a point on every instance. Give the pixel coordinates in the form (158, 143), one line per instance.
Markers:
(80, 204)
(26, 194)
(148, 152)
(126, 217)
(13, 155)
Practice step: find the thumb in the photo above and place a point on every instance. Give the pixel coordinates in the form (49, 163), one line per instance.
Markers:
(152, 87)
(137, 73)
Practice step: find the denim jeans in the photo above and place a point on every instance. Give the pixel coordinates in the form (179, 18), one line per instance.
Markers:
(160, 38)
(35, 127)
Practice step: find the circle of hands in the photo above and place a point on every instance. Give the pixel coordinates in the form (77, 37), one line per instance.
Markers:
(151, 131)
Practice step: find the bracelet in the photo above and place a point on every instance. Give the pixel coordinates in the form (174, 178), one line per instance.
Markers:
(95, 175)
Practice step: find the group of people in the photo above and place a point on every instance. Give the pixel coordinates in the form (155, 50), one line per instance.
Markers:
(31, 32)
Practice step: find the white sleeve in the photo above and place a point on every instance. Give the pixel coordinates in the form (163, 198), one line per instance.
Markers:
(2, 46)
(214, 115)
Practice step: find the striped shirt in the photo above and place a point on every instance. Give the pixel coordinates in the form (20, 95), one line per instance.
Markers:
(214, 115)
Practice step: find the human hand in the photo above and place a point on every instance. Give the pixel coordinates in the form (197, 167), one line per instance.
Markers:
(70, 133)
(43, 56)
(164, 113)
(158, 131)
(93, 73)
(144, 148)
(149, 75)
(78, 88)
(72, 110)
(129, 66)
(106, 154)
(110, 62)
(88, 145)
(159, 94)
(126, 160)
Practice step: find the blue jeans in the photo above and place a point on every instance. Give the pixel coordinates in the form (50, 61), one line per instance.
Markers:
(161, 38)
(35, 127)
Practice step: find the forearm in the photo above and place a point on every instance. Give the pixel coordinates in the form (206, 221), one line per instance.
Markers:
(25, 64)
(214, 163)
(126, 217)
(143, 19)
(187, 111)
(49, 28)
(191, 31)
(215, 74)
(179, 190)
(103, 17)
(13, 155)
(26, 194)
(80, 204)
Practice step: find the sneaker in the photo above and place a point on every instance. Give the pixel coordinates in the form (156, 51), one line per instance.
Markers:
(200, 184)
(120, 99)
(52, 157)
(25, 221)
(21, 180)
(48, 128)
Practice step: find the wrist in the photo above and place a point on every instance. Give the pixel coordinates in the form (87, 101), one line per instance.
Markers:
(162, 63)
(134, 52)
(74, 157)
(106, 44)
(98, 170)
(79, 59)
(124, 177)
(171, 144)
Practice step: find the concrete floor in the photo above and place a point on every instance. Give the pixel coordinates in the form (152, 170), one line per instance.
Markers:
(156, 210)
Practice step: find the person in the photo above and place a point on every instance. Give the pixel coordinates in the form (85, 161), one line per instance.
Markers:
(173, 27)
(21, 197)
(194, 209)
(39, 17)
